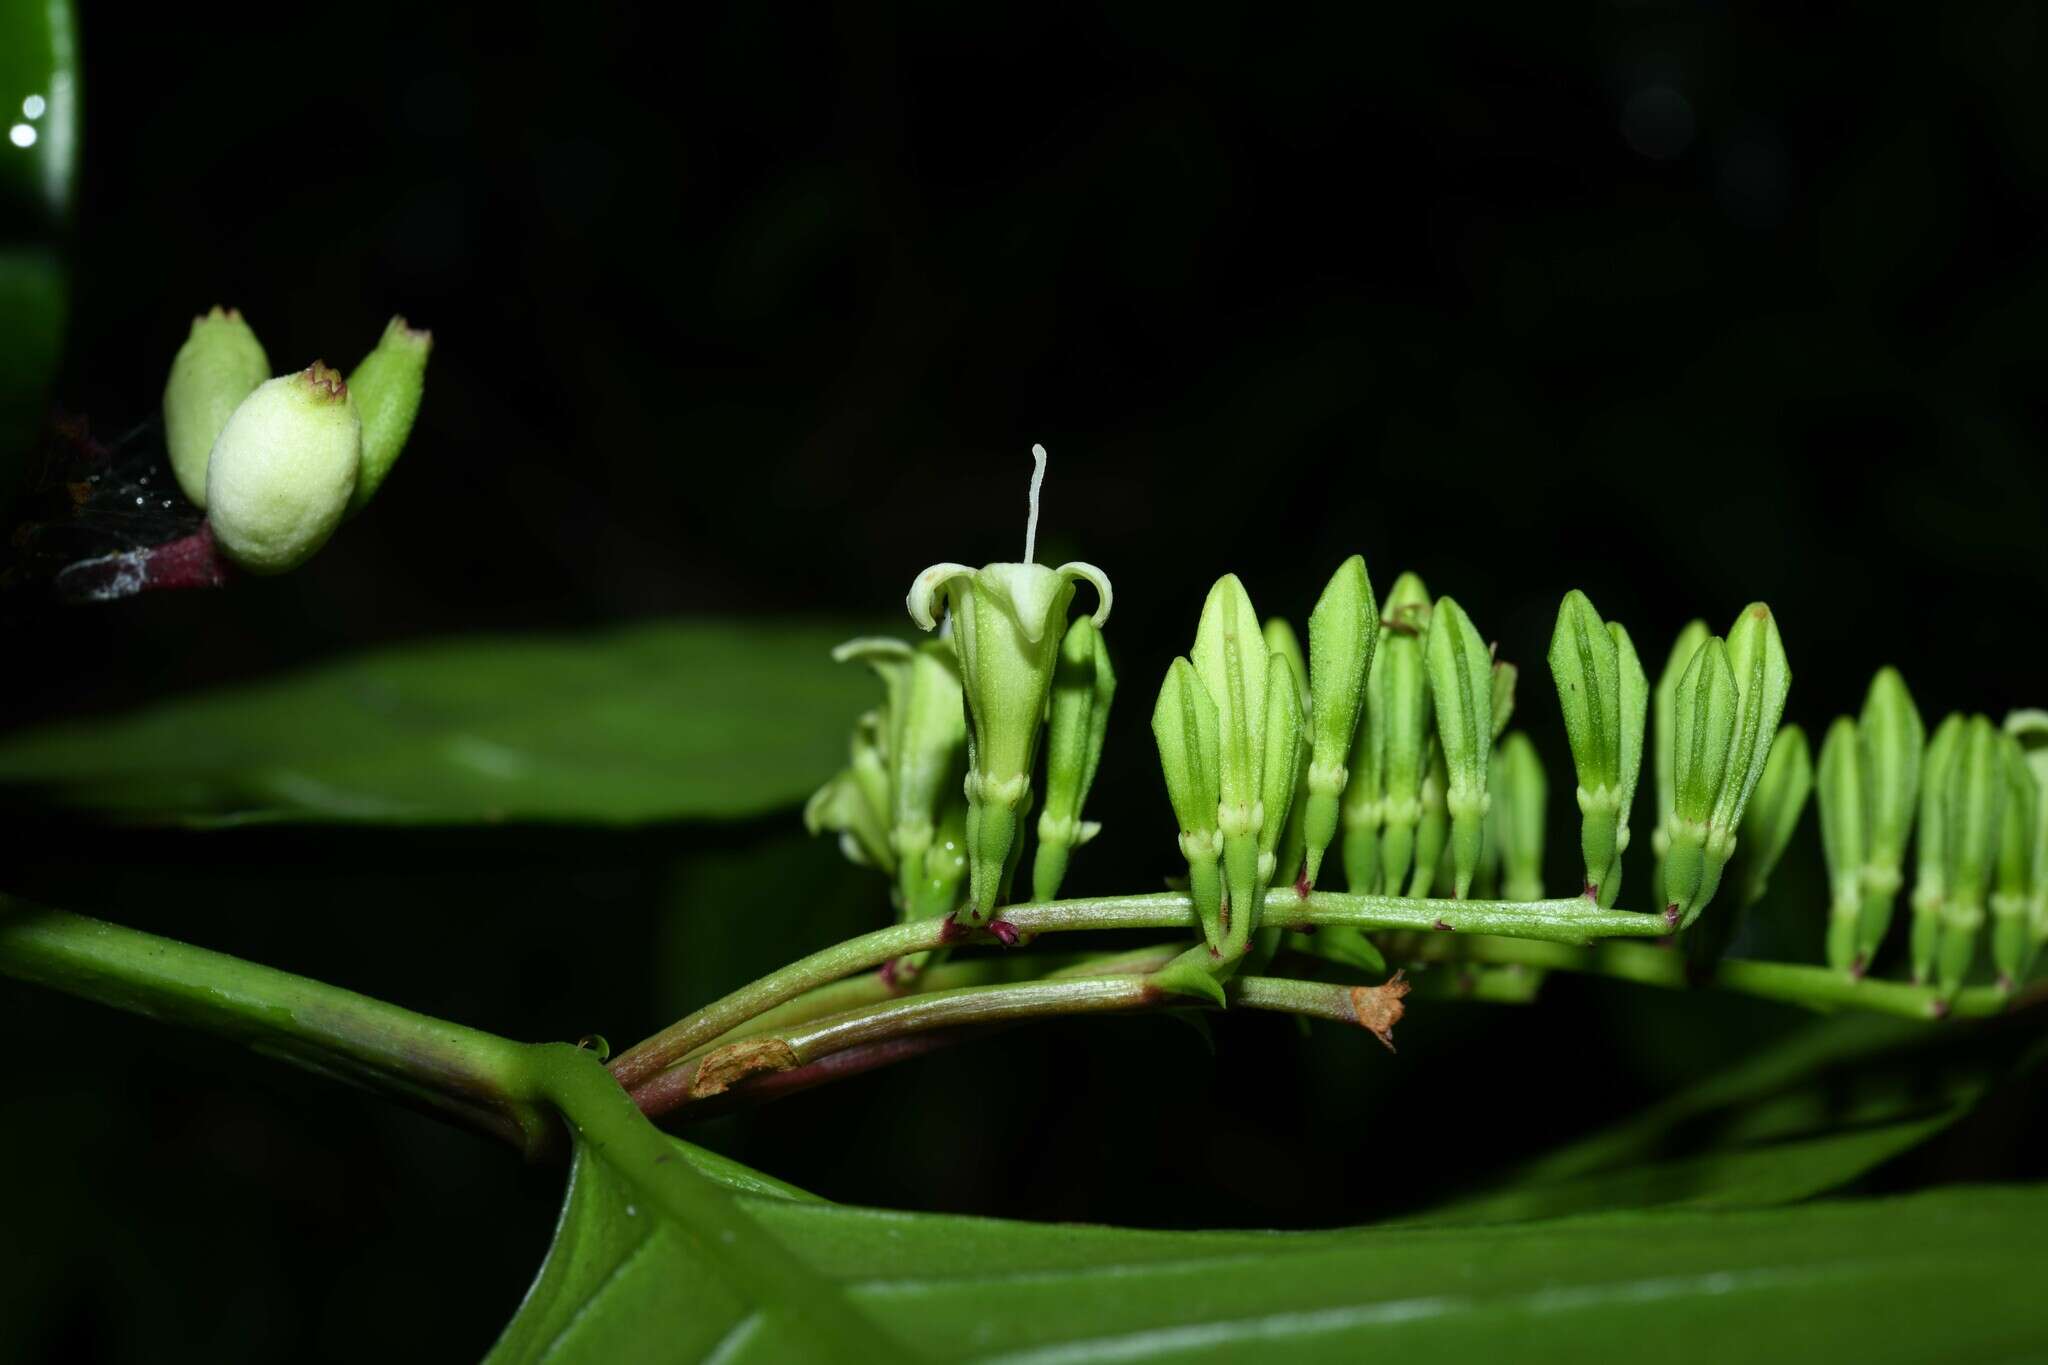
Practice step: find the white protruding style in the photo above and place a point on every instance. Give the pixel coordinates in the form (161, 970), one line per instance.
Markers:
(1031, 526)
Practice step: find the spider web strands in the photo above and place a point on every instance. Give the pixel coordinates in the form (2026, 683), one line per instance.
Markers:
(105, 521)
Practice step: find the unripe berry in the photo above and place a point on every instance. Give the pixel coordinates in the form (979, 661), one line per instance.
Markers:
(282, 471)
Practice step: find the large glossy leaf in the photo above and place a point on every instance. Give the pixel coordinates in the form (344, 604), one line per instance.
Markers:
(635, 1275)
(1835, 1099)
(670, 721)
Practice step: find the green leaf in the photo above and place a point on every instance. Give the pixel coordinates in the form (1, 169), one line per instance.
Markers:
(39, 92)
(660, 1257)
(678, 720)
(1807, 1116)
(653, 1259)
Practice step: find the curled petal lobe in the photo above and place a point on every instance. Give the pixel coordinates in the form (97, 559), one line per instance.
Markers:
(926, 589)
(1096, 579)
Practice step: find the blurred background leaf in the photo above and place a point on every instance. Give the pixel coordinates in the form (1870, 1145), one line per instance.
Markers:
(661, 722)
(39, 123)
(1835, 1099)
(629, 1279)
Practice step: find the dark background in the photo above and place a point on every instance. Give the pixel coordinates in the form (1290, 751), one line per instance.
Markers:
(759, 311)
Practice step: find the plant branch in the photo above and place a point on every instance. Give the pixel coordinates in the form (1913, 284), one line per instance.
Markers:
(478, 1078)
(875, 1035)
(873, 988)
(1572, 920)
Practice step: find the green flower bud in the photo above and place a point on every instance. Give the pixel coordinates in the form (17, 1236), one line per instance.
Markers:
(1603, 693)
(1976, 801)
(281, 473)
(1461, 684)
(855, 803)
(1398, 701)
(2012, 938)
(1280, 639)
(1185, 723)
(1519, 795)
(1505, 677)
(1774, 810)
(1891, 737)
(387, 386)
(925, 732)
(1343, 631)
(1286, 753)
(1432, 828)
(2030, 728)
(1008, 620)
(1635, 702)
(1843, 820)
(1704, 707)
(945, 866)
(1291, 850)
(1588, 691)
(1688, 644)
(1930, 880)
(1767, 828)
(220, 364)
(1230, 659)
(1082, 687)
(1363, 807)
(1763, 678)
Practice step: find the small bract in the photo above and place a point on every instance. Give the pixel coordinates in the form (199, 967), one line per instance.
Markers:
(220, 364)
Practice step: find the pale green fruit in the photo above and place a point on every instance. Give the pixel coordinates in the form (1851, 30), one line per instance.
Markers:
(282, 471)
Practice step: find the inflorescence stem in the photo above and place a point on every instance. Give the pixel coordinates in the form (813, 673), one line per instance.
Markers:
(864, 1032)
(1573, 920)
(1821, 988)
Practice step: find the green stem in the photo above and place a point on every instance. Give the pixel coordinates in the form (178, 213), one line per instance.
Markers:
(802, 1044)
(871, 988)
(1819, 988)
(478, 1078)
(1572, 920)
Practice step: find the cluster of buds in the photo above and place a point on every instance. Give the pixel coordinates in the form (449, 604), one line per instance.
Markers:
(1385, 734)
(1253, 740)
(276, 464)
(897, 806)
(1717, 719)
(1388, 738)
(1418, 809)
(1982, 843)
